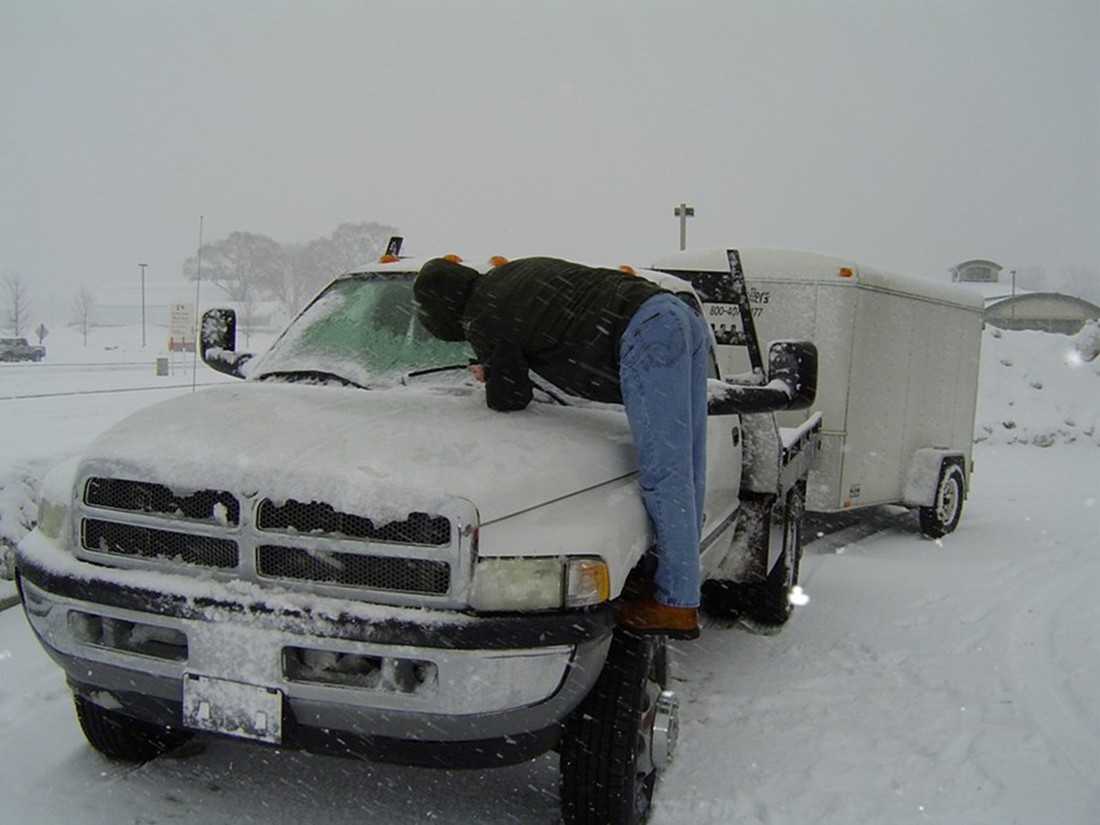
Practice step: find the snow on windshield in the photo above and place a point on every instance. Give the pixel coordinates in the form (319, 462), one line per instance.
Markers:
(361, 329)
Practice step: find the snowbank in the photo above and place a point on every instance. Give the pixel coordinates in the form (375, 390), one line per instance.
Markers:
(1039, 388)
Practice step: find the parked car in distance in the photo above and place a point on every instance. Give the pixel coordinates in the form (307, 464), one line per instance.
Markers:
(17, 349)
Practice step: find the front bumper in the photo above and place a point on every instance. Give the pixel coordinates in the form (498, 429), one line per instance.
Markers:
(397, 684)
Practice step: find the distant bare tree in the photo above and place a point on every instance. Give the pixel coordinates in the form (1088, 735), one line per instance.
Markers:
(81, 316)
(17, 304)
(315, 263)
(288, 287)
(240, 265)
(250, 267)
(358, 243)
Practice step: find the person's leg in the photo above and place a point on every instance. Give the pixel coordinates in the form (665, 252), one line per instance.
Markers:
(663, 365)
(700, 368)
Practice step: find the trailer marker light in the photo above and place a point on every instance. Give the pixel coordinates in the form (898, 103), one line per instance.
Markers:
(845, 272)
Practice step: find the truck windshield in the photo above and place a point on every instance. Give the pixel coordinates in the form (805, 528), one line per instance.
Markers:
(361, 330)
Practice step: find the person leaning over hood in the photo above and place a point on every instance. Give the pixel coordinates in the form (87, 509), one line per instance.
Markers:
(607, 336)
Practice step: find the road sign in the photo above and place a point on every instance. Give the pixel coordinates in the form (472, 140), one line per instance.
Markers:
(181, 328)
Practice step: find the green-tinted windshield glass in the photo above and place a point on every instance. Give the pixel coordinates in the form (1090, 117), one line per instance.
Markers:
(364, 330)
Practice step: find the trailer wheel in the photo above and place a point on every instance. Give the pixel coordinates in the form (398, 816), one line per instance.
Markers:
(621, 735)
(123, 737)
(946, 510)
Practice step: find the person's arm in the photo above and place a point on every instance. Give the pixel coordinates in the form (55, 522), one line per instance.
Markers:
(507, 383)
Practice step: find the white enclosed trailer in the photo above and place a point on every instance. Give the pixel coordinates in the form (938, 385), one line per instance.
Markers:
(897, 382)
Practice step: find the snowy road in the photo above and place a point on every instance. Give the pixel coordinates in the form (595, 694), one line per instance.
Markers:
(941, 682)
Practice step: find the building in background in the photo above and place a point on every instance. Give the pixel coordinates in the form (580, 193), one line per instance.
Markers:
(1009, 307)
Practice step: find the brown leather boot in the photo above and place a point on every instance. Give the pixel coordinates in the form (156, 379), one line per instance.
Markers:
(649, 616)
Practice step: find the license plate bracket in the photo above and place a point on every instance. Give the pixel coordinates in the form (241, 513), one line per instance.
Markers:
(232, 708)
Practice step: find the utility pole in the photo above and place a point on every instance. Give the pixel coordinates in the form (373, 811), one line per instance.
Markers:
(683, 212)
(143, 304)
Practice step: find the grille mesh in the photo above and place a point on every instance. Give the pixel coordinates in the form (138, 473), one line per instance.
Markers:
(376, 572)
(318, 534)
(165, 545)
(320, 518)
(145, 497)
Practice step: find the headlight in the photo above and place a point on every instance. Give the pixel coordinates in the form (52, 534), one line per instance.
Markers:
(539, 583)
(52, 517)
(55, 500)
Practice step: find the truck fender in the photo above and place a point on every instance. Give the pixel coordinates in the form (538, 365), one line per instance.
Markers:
(761, 454)
(923, 474)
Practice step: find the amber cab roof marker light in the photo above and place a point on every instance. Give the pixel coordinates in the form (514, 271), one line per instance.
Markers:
(845, 272)
(627, 268)
(498, 260)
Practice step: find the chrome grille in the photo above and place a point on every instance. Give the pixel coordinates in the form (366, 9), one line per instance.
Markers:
(352, 569)
(163, 545)
(316, 517)
(215, 506)
(424, 557)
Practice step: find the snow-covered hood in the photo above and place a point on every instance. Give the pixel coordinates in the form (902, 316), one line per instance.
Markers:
(378, 453)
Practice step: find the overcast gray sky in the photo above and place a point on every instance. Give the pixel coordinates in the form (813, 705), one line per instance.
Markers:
(912, 134)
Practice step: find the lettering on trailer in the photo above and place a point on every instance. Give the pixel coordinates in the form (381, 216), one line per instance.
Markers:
(726, 306)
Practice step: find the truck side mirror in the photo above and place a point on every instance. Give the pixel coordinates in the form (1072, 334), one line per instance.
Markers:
(792, 383)
(795, 364)
(218, 342)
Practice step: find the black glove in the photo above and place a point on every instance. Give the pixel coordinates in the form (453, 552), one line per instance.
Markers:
(507, 385)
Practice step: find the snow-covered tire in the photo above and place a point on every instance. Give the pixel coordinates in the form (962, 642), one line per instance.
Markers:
(607, 762)
(771, 604)
(766, 603)
(123, 737)
(946, 510)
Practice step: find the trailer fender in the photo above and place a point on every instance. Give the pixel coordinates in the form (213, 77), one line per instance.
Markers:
(923, 475)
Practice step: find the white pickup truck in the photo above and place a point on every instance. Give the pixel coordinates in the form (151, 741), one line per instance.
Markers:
(349, 552)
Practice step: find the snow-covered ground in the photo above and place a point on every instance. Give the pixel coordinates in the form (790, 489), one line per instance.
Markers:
(955, 681)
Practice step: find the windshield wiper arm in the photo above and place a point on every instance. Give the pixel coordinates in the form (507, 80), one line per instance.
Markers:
(310, 377)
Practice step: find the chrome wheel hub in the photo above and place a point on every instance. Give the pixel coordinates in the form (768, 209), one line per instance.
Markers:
(665, 729)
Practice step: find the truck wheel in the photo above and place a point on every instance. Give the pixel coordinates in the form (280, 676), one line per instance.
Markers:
(766, 603)
(946, 510)
(620, 736)
(122, 737)
(771, 604)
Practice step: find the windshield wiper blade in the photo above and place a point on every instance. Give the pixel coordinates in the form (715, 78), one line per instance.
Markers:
(430, 370)
(310, 377)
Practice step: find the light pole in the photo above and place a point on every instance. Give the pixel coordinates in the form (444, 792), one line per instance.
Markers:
(1012, 304)
(683, 212)
(143, 304)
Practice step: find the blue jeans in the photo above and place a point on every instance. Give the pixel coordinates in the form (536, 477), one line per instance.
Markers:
(663, 359)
